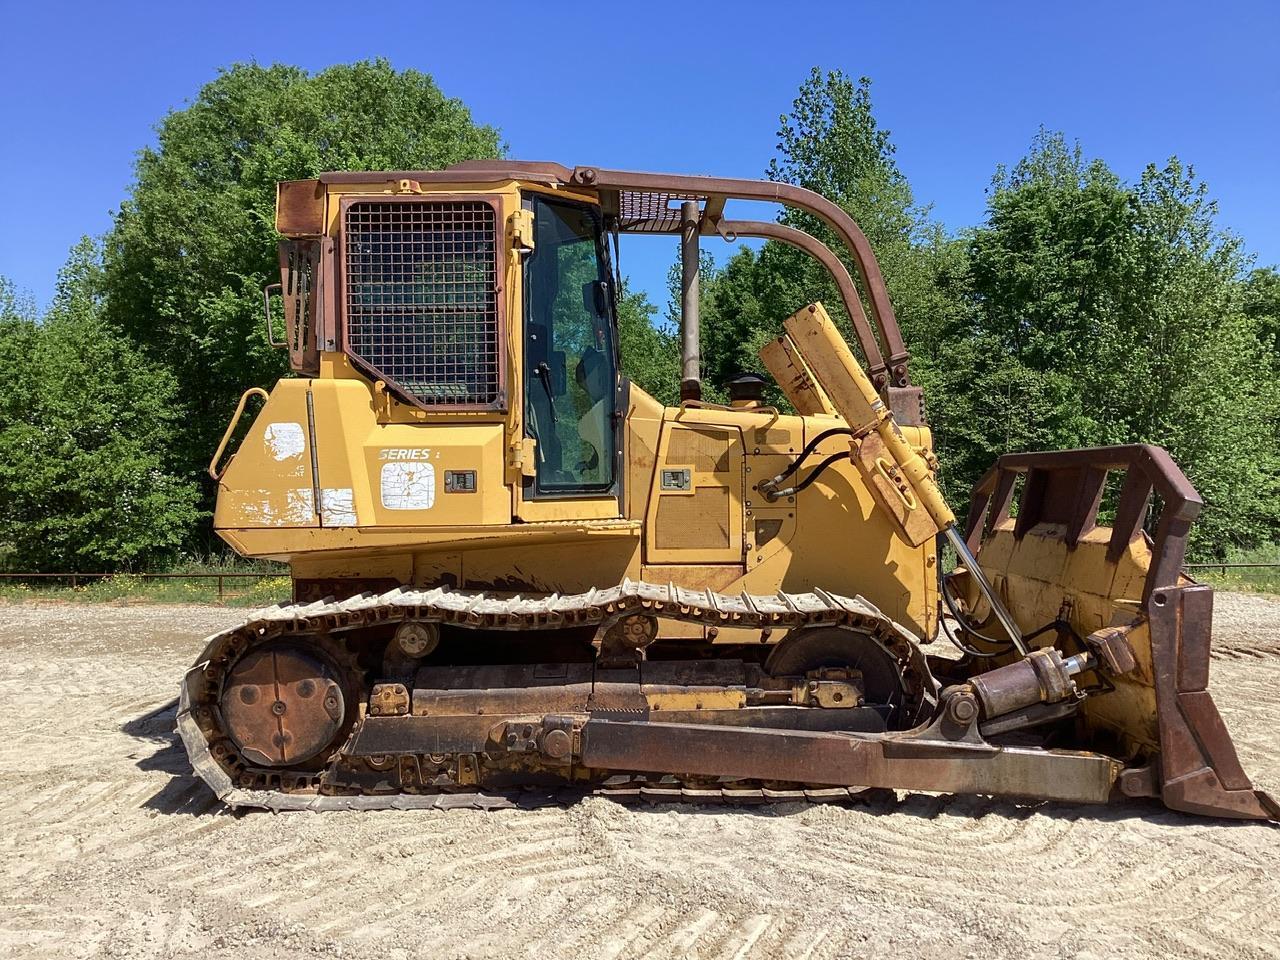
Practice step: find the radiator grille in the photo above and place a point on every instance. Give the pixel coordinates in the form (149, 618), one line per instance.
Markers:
(422, 300)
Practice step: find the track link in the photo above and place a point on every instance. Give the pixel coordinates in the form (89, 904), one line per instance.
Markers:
(199, 725)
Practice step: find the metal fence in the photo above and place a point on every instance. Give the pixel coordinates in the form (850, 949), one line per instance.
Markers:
(1224, 567)
(75, 579)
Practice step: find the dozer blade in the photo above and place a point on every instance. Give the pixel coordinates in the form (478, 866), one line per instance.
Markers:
(1123, 593)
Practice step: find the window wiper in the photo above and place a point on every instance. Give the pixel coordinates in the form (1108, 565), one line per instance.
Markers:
(544, 374)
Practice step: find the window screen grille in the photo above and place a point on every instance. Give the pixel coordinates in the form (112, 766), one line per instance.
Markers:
(421, 297)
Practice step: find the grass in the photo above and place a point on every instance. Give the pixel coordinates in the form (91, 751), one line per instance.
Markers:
(1246, 579)
(269, 584)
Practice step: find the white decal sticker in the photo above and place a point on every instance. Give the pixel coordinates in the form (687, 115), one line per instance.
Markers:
(259, 513)
(301, 507)
(298, 508)
(408, 485)
(337, 507)
(284, 440)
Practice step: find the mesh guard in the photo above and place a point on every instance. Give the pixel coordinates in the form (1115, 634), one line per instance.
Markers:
(421, 298)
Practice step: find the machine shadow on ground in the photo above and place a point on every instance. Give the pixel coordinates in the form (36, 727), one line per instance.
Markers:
(185, 793)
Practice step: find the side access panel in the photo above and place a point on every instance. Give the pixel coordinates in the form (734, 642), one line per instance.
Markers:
(695, 507)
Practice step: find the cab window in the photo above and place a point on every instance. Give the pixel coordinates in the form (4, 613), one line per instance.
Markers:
(570, 366)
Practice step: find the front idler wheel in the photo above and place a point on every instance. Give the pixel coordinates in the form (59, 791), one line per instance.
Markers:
(283, 704)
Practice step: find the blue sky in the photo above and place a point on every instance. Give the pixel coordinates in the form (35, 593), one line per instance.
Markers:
(685, 87)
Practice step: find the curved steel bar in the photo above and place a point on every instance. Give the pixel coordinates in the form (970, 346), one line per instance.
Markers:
(835, 266)
(789, 195)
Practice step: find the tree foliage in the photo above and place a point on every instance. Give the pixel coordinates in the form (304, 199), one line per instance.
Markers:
(192, 247)
(1083, 310)
(86, 431)
(650, 354)
(1124, 306)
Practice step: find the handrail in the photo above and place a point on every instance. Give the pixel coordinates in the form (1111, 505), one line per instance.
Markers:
(214, 472)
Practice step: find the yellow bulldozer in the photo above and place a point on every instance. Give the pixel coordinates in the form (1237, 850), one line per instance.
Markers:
(518, 577)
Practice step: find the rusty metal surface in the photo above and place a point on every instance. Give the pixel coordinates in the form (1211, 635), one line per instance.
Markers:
(831, 214)
(1065, 486)
(468, 171)
(1040, 677)
(300, 208)
(299, 288)
(1199, 771)
(690, 308)
(202, 687)
(838, 760)
(282, 704)
(656, 212)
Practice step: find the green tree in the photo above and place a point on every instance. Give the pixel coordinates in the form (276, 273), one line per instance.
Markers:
(1116, 313)
(1261, 302)
(86, 429)
(650, 354)
(831, 142)
(195, 242)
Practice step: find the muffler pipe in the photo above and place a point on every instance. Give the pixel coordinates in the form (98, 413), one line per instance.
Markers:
(690, 351)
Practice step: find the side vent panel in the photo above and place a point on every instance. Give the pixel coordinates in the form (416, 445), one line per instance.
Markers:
(697, 522)
(696, 510)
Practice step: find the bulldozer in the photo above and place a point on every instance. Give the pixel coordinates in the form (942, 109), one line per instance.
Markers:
(518, 577)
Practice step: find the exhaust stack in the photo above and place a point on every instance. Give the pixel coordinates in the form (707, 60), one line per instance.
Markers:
(690, 357)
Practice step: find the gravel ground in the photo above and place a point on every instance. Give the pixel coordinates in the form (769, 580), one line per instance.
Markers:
(112, 849)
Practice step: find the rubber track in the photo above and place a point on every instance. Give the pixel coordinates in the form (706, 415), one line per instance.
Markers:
(484, 611)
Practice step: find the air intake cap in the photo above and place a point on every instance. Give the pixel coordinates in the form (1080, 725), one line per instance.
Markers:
(746, 389)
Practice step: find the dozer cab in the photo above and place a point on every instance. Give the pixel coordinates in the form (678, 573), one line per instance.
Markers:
(516, 574)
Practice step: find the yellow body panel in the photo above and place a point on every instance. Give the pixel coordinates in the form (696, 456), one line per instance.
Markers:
(375, 510)
(382, 496)
(273, 486)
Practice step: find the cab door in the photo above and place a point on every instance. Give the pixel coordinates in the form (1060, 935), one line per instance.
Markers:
(570, 370)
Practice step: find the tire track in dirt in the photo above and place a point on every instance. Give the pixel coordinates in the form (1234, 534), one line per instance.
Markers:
(113, 849)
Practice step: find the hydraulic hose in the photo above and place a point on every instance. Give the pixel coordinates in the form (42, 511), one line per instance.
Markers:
(770, 487)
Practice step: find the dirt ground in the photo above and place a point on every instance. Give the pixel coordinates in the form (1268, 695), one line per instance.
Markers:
(111, 848)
